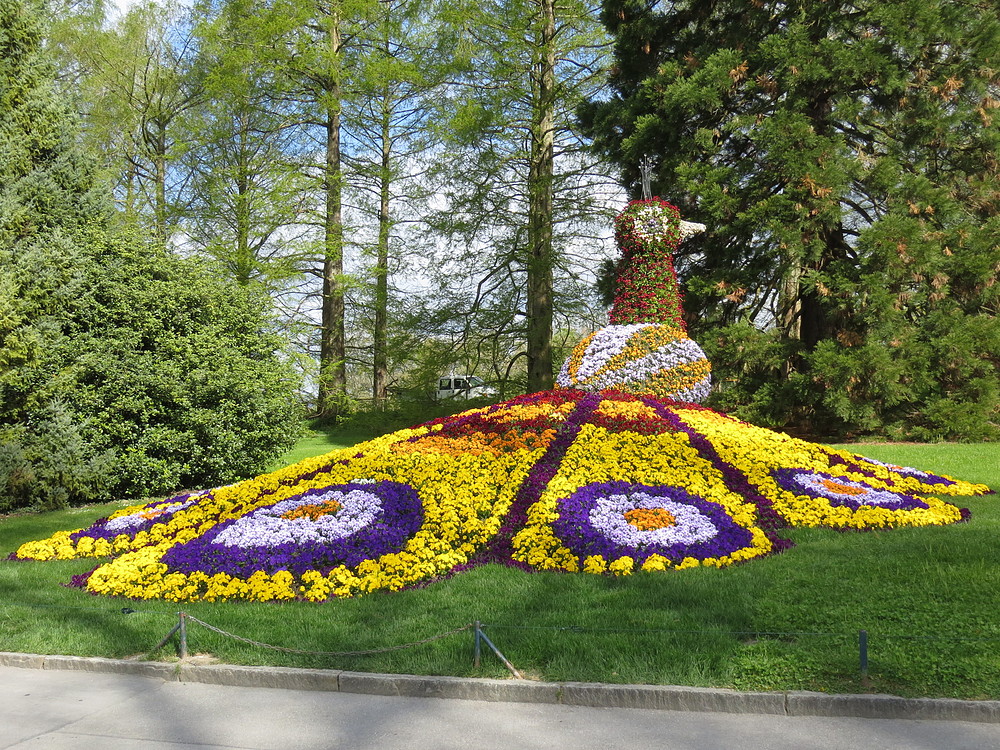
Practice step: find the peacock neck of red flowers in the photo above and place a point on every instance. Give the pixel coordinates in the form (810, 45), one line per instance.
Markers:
(647, 233)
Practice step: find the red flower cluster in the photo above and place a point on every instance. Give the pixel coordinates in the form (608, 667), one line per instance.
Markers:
(646, 290)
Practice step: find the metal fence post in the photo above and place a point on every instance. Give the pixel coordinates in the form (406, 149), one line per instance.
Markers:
(863, 651)
(183, 635)
(506, 662)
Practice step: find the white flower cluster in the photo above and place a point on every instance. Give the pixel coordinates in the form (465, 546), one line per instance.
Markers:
(696, 393)
(690, 525)
(652, 222)
(605, 344)
(267, 527)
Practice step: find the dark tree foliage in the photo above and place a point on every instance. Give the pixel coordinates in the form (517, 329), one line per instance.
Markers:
(845, 157)
(123, 368)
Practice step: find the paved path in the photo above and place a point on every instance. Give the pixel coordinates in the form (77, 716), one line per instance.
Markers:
(51, 709)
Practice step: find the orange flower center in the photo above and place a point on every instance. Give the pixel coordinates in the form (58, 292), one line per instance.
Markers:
(647, 519)
(152, 513)
(842, 489)
(312, 511)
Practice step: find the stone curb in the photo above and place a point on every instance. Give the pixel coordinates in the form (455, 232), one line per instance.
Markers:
(658, 697)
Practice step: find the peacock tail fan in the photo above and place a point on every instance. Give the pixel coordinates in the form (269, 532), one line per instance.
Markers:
(599, 482)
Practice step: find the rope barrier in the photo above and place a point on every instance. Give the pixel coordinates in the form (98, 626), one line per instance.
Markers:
(577, 629)
(366, 652)
(745, 633)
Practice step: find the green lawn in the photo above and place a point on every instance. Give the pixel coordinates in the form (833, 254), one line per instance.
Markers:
(318, 442)
(926, 597)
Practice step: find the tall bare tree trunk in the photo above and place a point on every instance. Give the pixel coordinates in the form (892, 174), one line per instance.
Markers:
(332, 355)
(540, 204)
(159, 144)
(380, 366)
(243, 267)
(790, 307)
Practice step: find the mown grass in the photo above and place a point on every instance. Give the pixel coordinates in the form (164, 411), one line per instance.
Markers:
(318, 441)
(925, 596)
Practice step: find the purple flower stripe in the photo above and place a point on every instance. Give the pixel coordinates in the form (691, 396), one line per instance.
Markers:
(79, 581)
(811, 483)
(346, 537)
(591, 522)
(501, 547)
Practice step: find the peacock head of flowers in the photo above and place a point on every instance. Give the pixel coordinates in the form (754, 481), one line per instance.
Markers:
(657, 224)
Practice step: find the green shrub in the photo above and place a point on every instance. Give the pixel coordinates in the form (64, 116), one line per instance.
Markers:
(934, 381)
(161, 364)
(48, 464)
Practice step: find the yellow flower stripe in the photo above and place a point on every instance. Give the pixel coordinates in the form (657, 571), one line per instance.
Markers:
(642, 342)
(576, 356)
(668, 383)
(757, 452)
(634, 410)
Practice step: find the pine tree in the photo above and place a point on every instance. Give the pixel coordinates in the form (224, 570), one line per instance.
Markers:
(845, 157)
(48, 190)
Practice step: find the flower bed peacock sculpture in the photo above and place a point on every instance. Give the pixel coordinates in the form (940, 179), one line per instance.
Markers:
(645, 349)
(619, 470)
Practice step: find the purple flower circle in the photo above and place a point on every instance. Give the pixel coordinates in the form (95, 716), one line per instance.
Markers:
(843, 492)
(595, 520)
(318, 529)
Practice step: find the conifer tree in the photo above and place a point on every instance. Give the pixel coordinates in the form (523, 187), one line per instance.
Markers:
(845, 157)
(46, 181)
